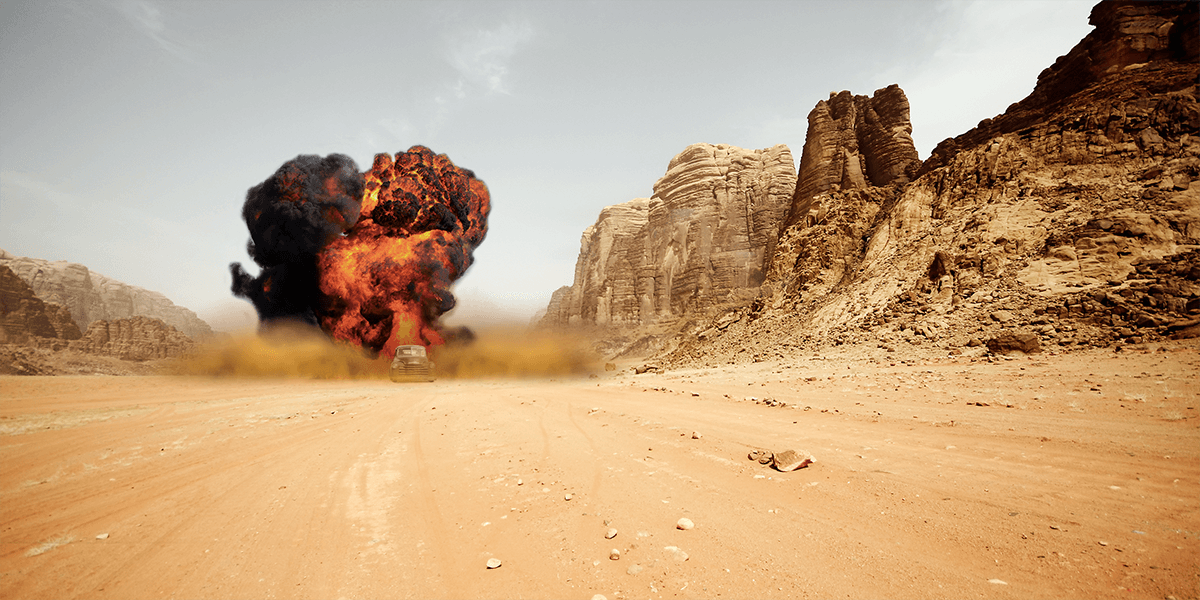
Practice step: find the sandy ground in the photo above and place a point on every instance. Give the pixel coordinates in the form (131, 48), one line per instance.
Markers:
(1080, 478)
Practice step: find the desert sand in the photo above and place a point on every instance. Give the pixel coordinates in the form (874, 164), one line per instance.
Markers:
(1068, 476)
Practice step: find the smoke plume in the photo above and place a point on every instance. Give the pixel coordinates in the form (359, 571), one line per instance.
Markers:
(369, 258)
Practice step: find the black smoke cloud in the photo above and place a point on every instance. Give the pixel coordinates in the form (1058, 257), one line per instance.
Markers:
(291, 216)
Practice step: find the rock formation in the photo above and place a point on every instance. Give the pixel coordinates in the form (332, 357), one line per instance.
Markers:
(1073, 215)
(854, 142)
(90, 296)
(26, 320)
(856, 147)
(136, 338)
(700, 241)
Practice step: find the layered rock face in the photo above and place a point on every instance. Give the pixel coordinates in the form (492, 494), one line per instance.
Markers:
(26, 320)
(856, 147)
(700, 241)
(1074, 216)
(854, 142)
(135, 338)
(90, 296)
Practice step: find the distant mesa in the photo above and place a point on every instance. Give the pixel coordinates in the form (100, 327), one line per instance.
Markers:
(33, 329)
(91, 297)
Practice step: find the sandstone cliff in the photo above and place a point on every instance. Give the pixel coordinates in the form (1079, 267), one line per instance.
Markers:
(136, 338)
(1073, 216)
(90, 296)
(26, 320)
(700, 241)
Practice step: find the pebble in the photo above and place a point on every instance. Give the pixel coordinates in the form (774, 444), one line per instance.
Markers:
(614, 554)
(599, 597)
(493, 563)
(696, 435)
(610, 534)
(633, 570)
(568, 496)
(677, 554)
(684, 523)
(998, 581)
(1103, 543)
(103, 536)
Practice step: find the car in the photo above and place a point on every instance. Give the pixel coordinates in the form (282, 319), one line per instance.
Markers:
(411, 364)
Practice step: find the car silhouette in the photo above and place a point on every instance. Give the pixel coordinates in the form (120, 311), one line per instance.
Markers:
(411, 364)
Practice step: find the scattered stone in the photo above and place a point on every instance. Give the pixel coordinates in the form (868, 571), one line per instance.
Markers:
(790, 460)
(610, 367)
(1002, 316)
(684, 524)
(696, 435)
(103, 536)
(493, 563)
(568, 496)
(676, 554)
(633, 570)
(614, 554)
(763, 457)
(599, 597)
(1102, 543)
(610, 534)
(998, 581)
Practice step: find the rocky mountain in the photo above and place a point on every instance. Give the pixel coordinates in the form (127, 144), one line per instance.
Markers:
(91, 297)
(136, 338)
(1071, 218)
(41, 338)
(700, 241)
(26, 320)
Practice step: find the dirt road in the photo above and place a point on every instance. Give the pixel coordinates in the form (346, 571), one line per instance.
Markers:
(1078, 477)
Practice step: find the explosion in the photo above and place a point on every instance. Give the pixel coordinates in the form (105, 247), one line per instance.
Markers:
(369, 258)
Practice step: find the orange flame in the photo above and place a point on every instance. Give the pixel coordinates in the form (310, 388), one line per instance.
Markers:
(386, 282)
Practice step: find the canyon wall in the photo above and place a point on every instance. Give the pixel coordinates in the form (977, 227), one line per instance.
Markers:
(1073, 216)
(700, 241)
(92, 297)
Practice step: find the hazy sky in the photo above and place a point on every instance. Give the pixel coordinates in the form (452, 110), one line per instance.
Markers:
(131, 130)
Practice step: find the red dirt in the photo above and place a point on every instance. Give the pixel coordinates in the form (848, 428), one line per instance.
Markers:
(1080, 478)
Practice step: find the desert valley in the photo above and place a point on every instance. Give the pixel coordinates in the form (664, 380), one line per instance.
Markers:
(989, 356)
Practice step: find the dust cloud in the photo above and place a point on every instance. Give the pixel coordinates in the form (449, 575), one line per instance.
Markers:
(516, 352)
(284, 351)
(304, 352)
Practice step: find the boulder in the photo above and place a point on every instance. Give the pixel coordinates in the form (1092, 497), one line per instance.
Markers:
(1020, 341)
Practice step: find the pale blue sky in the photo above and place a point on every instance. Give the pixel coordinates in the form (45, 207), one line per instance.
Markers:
(131, 130)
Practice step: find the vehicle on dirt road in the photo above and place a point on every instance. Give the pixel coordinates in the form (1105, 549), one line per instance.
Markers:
(411, 364)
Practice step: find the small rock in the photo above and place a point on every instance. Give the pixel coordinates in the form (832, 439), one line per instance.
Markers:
(520, 482)
(676, 554)
(633, 570)
(610, 534)
(684, 524)
(1002, 316)
(1102, 543)
(103, 536)
(998, 581)
(599, 597)
(695, 435)
(568, 497)
(493, 563)
(614, 554)
(790, 460)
